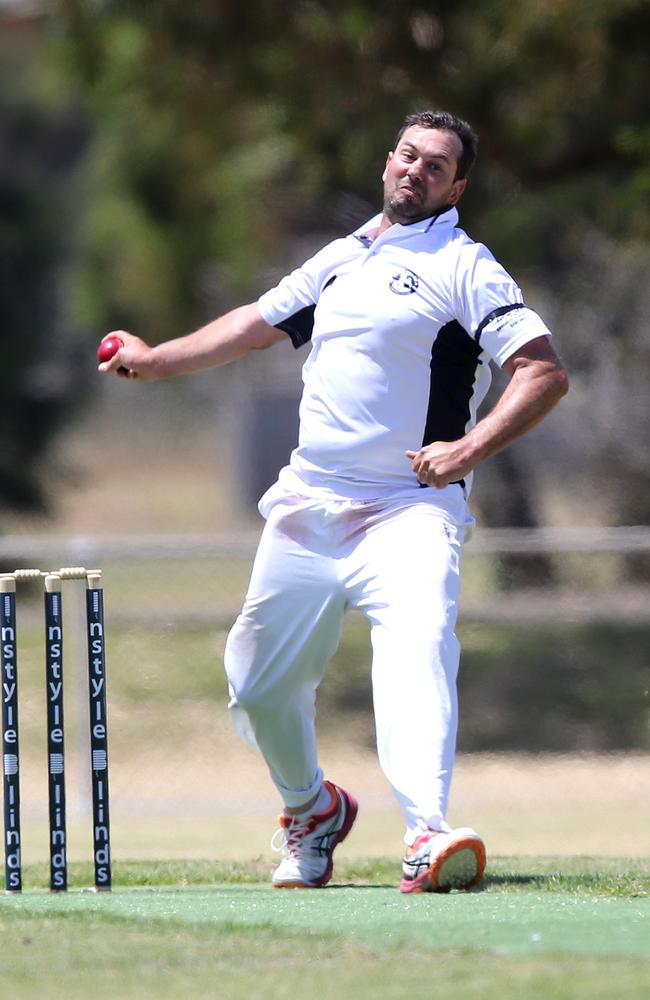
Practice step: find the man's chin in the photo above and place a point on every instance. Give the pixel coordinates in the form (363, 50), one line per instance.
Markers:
(405, 211)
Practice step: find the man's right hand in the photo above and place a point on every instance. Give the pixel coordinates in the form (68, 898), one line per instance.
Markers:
(134, 360)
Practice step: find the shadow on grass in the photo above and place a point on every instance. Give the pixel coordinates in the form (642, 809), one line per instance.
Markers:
(360, 885)
(503, 881)
(489, 882)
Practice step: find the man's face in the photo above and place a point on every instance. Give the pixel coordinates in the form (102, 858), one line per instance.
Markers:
(419, 175)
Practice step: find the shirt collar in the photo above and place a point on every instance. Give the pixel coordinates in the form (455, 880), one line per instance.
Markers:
(448, 217)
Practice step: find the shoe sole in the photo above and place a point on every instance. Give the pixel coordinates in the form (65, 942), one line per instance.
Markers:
(459, 866)
(351, 810)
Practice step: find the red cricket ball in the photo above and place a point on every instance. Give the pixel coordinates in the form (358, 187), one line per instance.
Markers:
(108, 347)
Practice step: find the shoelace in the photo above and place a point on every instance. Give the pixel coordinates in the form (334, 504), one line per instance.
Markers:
(292, 835)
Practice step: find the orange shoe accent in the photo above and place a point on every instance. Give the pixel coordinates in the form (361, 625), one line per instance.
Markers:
(458, 862)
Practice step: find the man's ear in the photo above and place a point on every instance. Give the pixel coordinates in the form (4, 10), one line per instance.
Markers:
(457, 189)
(388, 159)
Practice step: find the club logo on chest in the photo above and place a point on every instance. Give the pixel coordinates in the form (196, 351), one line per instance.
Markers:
(404, 282)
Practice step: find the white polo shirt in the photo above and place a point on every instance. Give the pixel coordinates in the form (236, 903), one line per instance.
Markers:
(402, 329)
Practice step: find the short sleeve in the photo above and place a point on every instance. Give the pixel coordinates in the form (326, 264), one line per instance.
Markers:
(290, 306)
(489, 305)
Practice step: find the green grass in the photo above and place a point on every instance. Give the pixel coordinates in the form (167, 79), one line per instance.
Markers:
(115, 959)
(537, 928)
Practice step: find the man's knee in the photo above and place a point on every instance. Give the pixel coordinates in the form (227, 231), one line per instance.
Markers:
(256, 686)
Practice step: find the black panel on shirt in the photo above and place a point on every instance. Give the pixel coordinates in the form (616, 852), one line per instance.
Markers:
(299, 326)
(454, 359)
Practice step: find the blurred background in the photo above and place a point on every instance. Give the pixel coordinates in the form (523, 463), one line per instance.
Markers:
(162, 163)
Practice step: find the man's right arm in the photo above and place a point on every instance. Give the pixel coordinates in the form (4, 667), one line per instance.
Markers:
(218, 343)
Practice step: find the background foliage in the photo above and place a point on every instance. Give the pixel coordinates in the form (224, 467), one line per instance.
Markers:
(217, 134)
(40, 140)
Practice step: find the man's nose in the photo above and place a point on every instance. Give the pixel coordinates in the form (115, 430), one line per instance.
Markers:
(414, 171)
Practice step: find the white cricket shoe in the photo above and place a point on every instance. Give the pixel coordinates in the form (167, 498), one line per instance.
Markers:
(438, 861)
(308, 841)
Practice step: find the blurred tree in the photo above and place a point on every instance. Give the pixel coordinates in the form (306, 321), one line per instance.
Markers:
(38, 383)
(215, 122)
(222, 130)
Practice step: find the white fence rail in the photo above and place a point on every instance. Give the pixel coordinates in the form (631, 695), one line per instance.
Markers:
(202, 579)
(84, 550)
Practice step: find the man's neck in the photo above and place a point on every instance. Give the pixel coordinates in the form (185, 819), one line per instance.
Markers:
(387, 222)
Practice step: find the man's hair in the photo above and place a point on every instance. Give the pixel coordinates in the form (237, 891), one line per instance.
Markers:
(444, 121)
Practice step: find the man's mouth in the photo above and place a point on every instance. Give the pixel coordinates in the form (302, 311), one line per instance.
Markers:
(410, 191)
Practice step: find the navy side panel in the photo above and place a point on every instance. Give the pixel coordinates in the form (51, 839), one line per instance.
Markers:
(454, 360)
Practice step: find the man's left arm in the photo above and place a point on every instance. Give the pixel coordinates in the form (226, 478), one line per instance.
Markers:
(538, 380)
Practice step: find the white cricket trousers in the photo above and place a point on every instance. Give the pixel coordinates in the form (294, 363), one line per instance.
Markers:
(400, 566)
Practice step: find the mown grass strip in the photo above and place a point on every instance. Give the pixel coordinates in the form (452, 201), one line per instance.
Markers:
(93, 956)
(523, 923)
